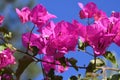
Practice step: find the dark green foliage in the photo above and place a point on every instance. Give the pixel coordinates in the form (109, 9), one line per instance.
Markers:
(23, 64)
(51, 74)
(73, 78)
(115, 77)
(62, 61)
(34, 50)
(73, 62)
(110, 56)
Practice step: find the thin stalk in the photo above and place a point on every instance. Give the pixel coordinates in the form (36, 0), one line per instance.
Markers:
(30, 38)
(40, 60)
(44, 74)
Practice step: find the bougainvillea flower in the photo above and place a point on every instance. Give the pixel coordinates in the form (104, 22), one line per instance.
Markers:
(47, 60)
(49, 63)
(66, 35)
(6, 76)
(81, 30)
(34, 41)
(98, 38)
(1, 19)
(99, 15)
(61, 68)
(116, 29)
(6, 58)
(88, 10)
(39, 15)
(53, 49)
(100, 43)
(23, 14)
(48, 30)
(115, 14)
(60, 39)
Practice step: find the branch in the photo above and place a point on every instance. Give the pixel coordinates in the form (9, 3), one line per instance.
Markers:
(80, 67)
(107, 68)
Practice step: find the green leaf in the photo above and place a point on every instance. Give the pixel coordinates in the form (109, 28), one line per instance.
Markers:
(73, 78)
(23, 64)
(115, 77)
(10, 46)
(58, 77)
(91, 66)
(110, 56)
(35, 50)
(4, 30)
(8, 35)
(62, 61)
(2, 47)
(92, 75)
(81, 45)
(73, 62)
(51, 74)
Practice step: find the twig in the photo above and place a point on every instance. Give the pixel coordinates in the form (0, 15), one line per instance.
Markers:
(44, 74)
(94, 60)
(80, 67)
(107, 68)
(89, 54)
(30, 38)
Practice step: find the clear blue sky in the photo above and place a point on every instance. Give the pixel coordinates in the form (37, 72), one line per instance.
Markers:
(68, 10)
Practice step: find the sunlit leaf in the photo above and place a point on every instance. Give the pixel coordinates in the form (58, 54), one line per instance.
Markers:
(8, 35)
(2, 47)
(81, 45)
(110, 56)
(10, 46)
(91, 66)
(92, 75)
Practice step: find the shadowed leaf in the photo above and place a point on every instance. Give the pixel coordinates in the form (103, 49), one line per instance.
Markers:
(23, 64)
(73, 78)
(73, 63)
(63, 61)
(115, 77)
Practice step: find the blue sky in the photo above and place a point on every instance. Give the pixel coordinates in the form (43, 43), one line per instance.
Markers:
(68, 10)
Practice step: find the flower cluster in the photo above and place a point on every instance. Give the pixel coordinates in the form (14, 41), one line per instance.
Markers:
(57, 39)
(54, 40)
(6, 58)
(38, 15)
(104, 31)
